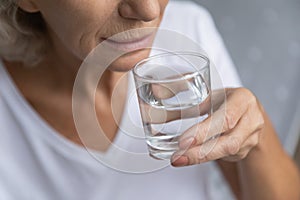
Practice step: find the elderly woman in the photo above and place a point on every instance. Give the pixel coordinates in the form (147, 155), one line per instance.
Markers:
(42, 46)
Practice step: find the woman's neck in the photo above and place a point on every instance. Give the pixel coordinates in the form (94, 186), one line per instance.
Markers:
(49, 86)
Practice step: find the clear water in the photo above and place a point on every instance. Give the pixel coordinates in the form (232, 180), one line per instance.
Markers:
(162, 137)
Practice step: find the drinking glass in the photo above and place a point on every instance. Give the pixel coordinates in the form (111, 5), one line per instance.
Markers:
(173, 90)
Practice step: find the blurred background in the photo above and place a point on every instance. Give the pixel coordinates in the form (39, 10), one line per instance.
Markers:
(263, 38)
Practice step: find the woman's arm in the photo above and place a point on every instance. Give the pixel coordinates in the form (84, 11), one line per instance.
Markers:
(266, 173)
(248, 151)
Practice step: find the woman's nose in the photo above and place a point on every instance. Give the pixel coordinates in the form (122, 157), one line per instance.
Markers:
(144, 10)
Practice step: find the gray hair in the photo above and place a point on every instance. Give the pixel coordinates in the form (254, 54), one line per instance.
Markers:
(22, 34)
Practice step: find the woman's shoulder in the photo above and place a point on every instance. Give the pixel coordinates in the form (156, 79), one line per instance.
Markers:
(187, 10)
(188, 18)
(186, 6)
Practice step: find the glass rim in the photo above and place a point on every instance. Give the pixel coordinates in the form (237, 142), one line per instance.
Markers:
(184, 77)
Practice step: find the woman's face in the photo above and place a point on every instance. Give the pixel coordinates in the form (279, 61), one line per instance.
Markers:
(77, 26)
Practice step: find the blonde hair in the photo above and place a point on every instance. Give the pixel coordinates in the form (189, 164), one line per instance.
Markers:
(22, 34)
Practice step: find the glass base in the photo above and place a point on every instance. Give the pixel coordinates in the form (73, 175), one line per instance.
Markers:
(160, 154)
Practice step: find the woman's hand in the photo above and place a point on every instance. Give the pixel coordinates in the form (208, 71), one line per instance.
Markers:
(230, 133)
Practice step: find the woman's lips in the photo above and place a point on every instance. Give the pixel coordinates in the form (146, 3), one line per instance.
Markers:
(131, 44)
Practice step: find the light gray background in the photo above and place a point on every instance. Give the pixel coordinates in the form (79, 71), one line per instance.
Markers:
(263, 38)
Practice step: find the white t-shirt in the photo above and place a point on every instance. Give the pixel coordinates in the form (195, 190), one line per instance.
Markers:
(37, 163)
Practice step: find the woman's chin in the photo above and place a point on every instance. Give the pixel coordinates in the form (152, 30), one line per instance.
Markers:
(127, 61)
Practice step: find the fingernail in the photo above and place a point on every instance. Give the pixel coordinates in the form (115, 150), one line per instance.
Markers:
(179, 161)
(186, 143)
